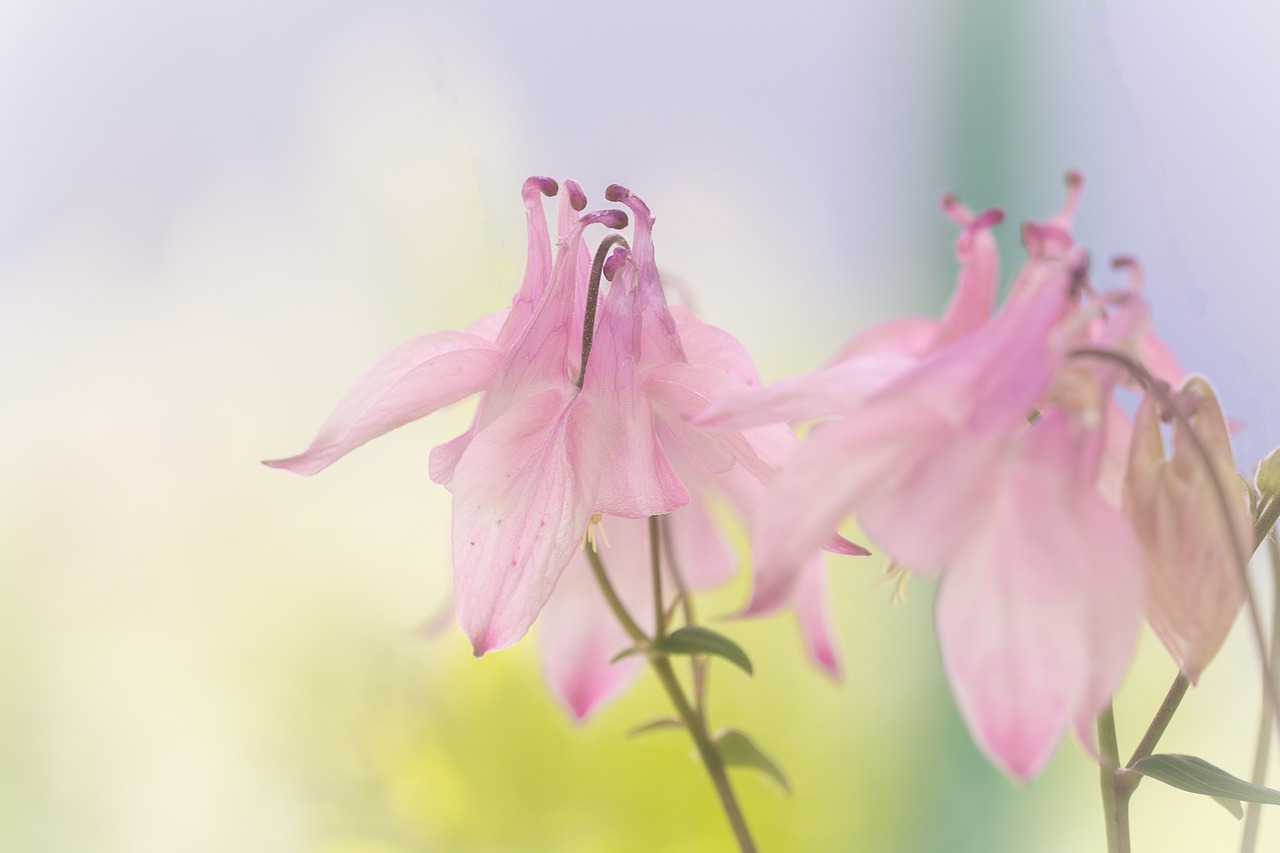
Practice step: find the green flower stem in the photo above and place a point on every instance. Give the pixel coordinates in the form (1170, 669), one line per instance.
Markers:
(1262, 751)
(692, 719)
(634, 631)
(1160, 721)
(697, 663)
(1115, 800)
(655, 565)
(711, 759)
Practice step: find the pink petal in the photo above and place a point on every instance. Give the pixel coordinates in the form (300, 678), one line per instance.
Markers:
(979, 278)
(900, 336)
(700, 551)
(813, 618)
(660, 340)
(1038, 615)
(540, 357)
(444, 458)
(1111, 565)
(681, 391)
(537, 268)
(807, 502)
(572, 202)
(411, 381)
(837, 388)
(707, 344)
(490, 325)
(524, 492)
(927, 506)
(804, 588)
(579, 635)
(637, 479)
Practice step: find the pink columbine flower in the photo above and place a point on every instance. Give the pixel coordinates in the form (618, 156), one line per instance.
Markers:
(1194, 587)
(974, 449)
(582, 413)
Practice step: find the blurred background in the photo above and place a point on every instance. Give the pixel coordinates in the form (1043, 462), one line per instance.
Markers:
(213, 217)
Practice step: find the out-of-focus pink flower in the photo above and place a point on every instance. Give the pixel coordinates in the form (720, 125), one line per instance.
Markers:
(978, 454)
(1194, 587)
(875, 357)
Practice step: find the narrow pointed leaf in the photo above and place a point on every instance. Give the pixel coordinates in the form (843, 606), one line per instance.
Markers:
(739, 750)
(697, 640)
(655, 725)
(1200, 777)
(626, 653)
(1233, 806)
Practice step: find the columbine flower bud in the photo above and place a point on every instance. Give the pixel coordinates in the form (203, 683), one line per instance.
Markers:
(1194, 588)
(1268, 476)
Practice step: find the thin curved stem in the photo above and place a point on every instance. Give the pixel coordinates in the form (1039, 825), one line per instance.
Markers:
(1262, 749)
(655, 569)
(1115, 801)
(1161, 392)
(693, 721)
(1161, 720)
(697, 663)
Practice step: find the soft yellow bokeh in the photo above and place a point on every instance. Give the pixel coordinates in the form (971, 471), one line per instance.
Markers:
(200, 654)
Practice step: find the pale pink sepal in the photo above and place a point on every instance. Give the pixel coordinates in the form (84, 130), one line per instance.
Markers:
(681, 391)
(900, 336)
(812, 616)
(805, 503)
(523, 493)
(1193, 582)
(707, 344)
(834, 389)
(579, 635)
(413, 380)
(1038, 614)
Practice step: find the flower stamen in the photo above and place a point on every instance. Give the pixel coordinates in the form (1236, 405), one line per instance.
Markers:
(593, 296)
(595, 534)
(898, 576)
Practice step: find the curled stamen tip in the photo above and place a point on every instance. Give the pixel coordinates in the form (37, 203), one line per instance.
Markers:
(538, 184)
(955, 210)
(577, 198)
(609, 218)
(988, 218)
(1129, 263)
(1073, 179)
(614, 262)
(617, 192)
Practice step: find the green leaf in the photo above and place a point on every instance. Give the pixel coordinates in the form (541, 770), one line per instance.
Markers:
(626, 653)
(1233, 806)
(697, 640)
(655, 725)
(1200, 777)
(739, 750)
